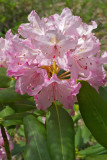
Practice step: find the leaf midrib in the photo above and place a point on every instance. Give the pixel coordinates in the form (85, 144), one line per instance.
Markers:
(60, 131)
(36, 141)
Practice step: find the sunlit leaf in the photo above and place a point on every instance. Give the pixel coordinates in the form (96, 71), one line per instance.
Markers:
(93, 109)
(36, 147)
(60, 134)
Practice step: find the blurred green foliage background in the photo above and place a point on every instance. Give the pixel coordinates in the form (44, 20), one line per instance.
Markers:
(15, 12)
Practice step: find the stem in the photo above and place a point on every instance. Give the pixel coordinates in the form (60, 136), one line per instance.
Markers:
(6, 143)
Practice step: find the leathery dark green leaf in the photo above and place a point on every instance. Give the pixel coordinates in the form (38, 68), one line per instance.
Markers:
(93, 109)
(103, 92)
(60, 134)
(23, 106)
(35, 132)
(8, 95)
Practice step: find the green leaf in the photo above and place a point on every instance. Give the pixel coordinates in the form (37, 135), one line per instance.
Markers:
(103, 92)
(40, 113)
(14, 119)
(96, 149)
(93, 109)
(16, 116)
(22, 106)
(78, 138)
(60, 134)
(36, 147)
(76, 118)
(17, 149)
(7, 123)
(4, 80)
(21, 131)
(8, 95)
(99, 157)
(85, 134)
(6, 112)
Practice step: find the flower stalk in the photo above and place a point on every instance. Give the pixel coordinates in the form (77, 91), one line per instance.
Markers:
(6, 143)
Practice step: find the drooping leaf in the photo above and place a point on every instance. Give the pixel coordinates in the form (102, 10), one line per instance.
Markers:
(60, 134)
(99, 157)
(16, 116)
(7, 123)
(36, 147)
(39, 112)
(8, 95)
(22, 106)
(92, 150)
(14, 119)
(93, 109)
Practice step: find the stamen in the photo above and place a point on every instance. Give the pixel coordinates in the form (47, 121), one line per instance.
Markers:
(57, 69)
(63, 74)
(50, 68)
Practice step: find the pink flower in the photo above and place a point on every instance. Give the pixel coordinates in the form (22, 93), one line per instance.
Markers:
(82, 58)
(34, 28)
(85, 30)
(85, 63)
(66, 23)
(103, 59)
(54, 45)
(55, 89)
(3, 47)
(19, 54)
(31, 81)
(53, 36)
(50, 45)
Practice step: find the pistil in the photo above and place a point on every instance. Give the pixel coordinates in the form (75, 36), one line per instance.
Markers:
(54, 68)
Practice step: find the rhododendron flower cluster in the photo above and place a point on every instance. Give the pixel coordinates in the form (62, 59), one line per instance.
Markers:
(47, 47)
(2, 148)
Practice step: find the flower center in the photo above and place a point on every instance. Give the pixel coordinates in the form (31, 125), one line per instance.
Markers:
(54, 69)
(54, 40)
